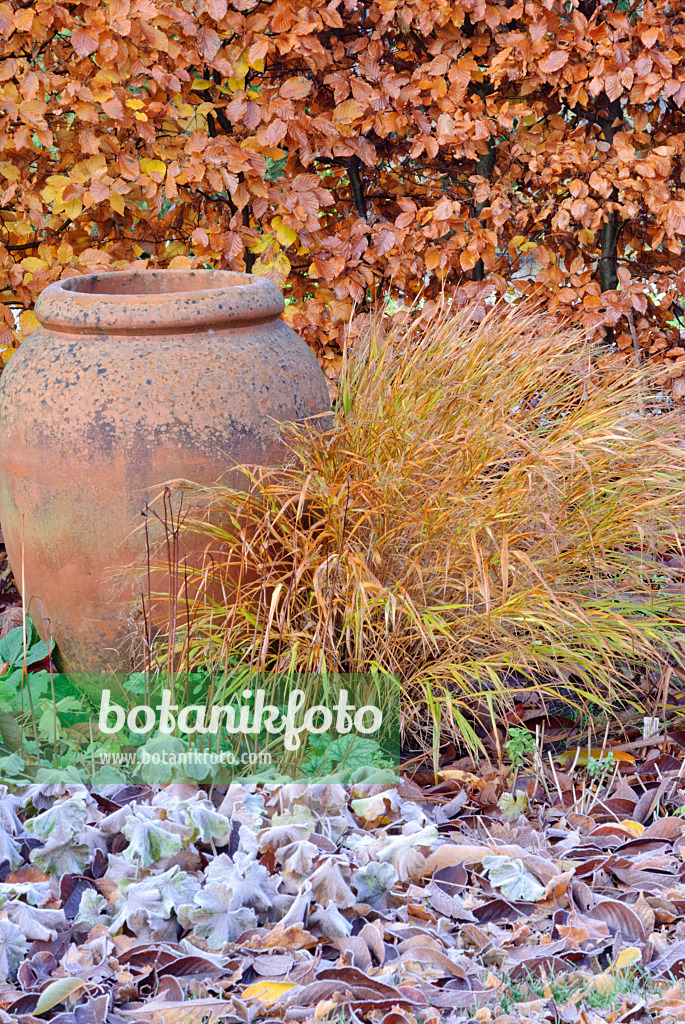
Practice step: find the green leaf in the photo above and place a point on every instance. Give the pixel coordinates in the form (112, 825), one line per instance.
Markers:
(56, 993)
(12, 646)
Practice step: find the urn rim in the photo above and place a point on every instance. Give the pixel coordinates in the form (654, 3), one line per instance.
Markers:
(145, 302)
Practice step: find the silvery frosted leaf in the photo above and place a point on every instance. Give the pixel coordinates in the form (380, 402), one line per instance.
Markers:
(330, 922)
(373, 883)
(213, 918)
(282, 835)
(114, 822)
(91, 910)
(62, 858)
(44, 794)
(299, 907)
(327, 794)
(94, 840)
(10, 850)
(299, 858)
(175, 888)
(9, 804)
(35, 922)
(251, 884)
(150, 928)
(241, 804)
(13, 950)
(329, 885)
(149, 841)
(207, 824)
(404, 851)
(377, 806)
(219, 869)
(120, 870)
(35, 892)
(513, 879)
(136, 898)
(60, 823)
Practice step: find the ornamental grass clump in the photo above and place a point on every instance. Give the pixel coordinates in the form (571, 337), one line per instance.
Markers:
(481, 521)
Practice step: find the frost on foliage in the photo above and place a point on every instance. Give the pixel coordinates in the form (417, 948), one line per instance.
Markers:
(373, 884)
(149, 841)
(326, 794)
(209, 827)
(404, 851)
(250, 883)
(35, 922)
(70, 843)
(91, 911)
(10, 851)
(378, 806)
(60, 823)
(35, 892)
(13, 950)
(175, 887)
(298, 910)
(71, 857)
(244, 806)
(148, 904)
(298, 858)
(9, 821)
(62, 859)
(214, 918)
(328, 885)
(275, 838)
(330, 922)
(513, 879)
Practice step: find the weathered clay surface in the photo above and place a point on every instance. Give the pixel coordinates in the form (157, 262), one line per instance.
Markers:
(133, 379)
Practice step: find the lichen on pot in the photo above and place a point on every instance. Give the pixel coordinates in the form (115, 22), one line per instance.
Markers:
(134, 378)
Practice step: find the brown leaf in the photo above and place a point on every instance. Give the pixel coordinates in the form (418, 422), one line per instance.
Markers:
(554, 61)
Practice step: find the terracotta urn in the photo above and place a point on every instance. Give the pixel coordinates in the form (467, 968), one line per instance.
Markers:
(133, 378)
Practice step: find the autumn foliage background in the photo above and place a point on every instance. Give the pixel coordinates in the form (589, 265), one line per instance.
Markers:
(354, 151)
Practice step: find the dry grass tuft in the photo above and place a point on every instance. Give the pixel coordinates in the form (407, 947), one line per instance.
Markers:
(479, 521)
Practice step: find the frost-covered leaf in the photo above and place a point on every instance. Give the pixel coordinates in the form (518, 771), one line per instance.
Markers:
(299, 858)
(282, 835)
(404, 851)
(330, 922)
(213, 918)
(149, 840)
(373, 884)
(250, 882)
(62, 858)
(60, 823)
(35, 922)
(13, 950)
(513, 808)
(10, 851)
(9, 805)
(328, 885)
(91, 910)
(145, 907)
(513, 879)
(139, 901)
(207, 824)
(377, 807)
(35, 892)
(175, 887)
